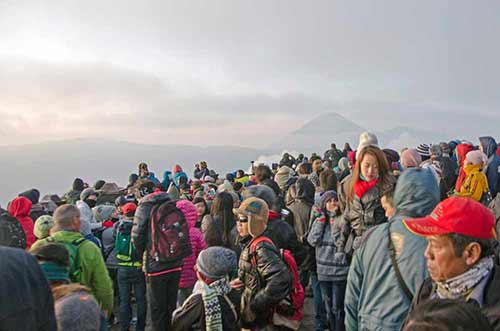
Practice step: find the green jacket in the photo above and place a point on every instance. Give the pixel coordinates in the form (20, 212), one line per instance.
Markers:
(94, 274)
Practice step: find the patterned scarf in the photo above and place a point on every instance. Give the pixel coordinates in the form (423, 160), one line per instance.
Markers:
(462, 285)
(209, 294)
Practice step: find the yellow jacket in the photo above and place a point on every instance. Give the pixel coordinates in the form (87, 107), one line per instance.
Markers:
(475, 183)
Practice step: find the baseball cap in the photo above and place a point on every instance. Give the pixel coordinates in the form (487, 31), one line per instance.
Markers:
(129, 208)
(456, 215)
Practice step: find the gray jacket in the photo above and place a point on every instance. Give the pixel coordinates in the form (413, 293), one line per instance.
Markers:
(322, 236)
(374, 298)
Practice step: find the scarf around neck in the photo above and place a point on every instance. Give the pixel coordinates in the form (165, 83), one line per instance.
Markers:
(462, 285)
(362, 186)
(210, 295)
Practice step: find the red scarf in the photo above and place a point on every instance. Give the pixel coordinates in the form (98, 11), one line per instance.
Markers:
(361, 187)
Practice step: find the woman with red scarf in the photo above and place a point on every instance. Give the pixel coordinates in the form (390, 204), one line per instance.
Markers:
(371, 180)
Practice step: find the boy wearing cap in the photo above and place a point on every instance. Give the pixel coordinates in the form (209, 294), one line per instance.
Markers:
(459, 255)
(266, 280)
(129, 274)
(216, 306)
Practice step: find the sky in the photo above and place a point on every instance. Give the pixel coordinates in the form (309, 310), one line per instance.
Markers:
(234, 72)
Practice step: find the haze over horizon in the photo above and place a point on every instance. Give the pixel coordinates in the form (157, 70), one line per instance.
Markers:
(188, 72)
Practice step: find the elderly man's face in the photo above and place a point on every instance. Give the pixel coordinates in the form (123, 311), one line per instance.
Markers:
(442, 262)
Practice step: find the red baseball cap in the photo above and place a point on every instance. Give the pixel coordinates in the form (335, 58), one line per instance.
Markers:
(129, 207)
(456, 215)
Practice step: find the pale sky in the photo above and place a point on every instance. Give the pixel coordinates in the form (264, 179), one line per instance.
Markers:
(234, 72)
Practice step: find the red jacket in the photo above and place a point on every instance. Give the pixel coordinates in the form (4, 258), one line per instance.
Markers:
(462, 151)
(20, 208)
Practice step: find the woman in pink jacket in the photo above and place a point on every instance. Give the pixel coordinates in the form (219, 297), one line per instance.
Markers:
(188, 275)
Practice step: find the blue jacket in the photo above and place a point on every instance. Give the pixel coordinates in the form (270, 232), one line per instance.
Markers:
(493, 171)
(374, 299)
(166, 180)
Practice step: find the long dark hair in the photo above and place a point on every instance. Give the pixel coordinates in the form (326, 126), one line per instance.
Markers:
(222, 209)
(383, 169)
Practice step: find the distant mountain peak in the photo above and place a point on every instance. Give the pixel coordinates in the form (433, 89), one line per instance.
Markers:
(328, 123)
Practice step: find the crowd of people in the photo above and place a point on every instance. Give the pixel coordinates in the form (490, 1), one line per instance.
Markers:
(379, 239)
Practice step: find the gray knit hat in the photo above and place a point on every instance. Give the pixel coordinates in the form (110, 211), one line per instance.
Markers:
(78, 312)
(216, 262)
(87, 192)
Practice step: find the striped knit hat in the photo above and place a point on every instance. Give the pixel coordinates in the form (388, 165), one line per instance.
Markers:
(423, 150)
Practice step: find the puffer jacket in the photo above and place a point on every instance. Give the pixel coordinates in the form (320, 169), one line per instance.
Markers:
(374, 299)
(493, 171)
(475, 183)
(361, 214)
(283, 236)
(20, 208)
(188, 276)
(266, 284)
(461, 151)
(322, 236)
(142, 239)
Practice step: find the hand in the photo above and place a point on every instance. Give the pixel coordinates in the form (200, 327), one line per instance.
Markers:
(236, 284)
(340, 258)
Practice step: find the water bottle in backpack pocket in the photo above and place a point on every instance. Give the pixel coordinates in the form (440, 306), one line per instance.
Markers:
(169, 233)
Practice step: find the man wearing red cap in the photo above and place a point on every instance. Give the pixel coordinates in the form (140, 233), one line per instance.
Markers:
(460, 256)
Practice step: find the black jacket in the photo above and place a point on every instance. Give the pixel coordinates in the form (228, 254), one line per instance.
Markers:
(266, 284)
(141, 234)
(284, 237)
(191, 316)
(25, 298)
(491, 304)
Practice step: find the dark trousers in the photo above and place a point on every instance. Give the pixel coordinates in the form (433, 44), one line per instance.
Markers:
(132, 278)
(320, 316)
(162, 292)
(333, 298)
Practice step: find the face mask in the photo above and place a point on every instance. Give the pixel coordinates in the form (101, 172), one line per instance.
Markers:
(90, 202)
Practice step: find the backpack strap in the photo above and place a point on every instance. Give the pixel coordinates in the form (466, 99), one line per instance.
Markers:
(253, 248)
(233, 309)
(392, 253)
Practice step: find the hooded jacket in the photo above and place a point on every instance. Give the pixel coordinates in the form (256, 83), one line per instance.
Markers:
(87, 216)
(282, 176)
(374, 299)
(141, 236)
(93, 274)
(493, 170)
(475, 183)
(188, 276)
(165, 184)
(20, 208)
(301, 207)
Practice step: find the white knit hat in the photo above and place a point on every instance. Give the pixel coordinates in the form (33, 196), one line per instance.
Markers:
(366, 139)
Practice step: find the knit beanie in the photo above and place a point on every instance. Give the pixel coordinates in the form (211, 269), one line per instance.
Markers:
(410, 158)
(216, 262)
(33, 195)
(475, 157)
(366, 139)
(42, 226)
(87, 193)
(423, 150)
(327, 196)
(103, 212)
(78, 311)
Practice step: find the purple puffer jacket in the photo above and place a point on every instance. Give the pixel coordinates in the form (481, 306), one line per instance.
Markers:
(188, 276)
